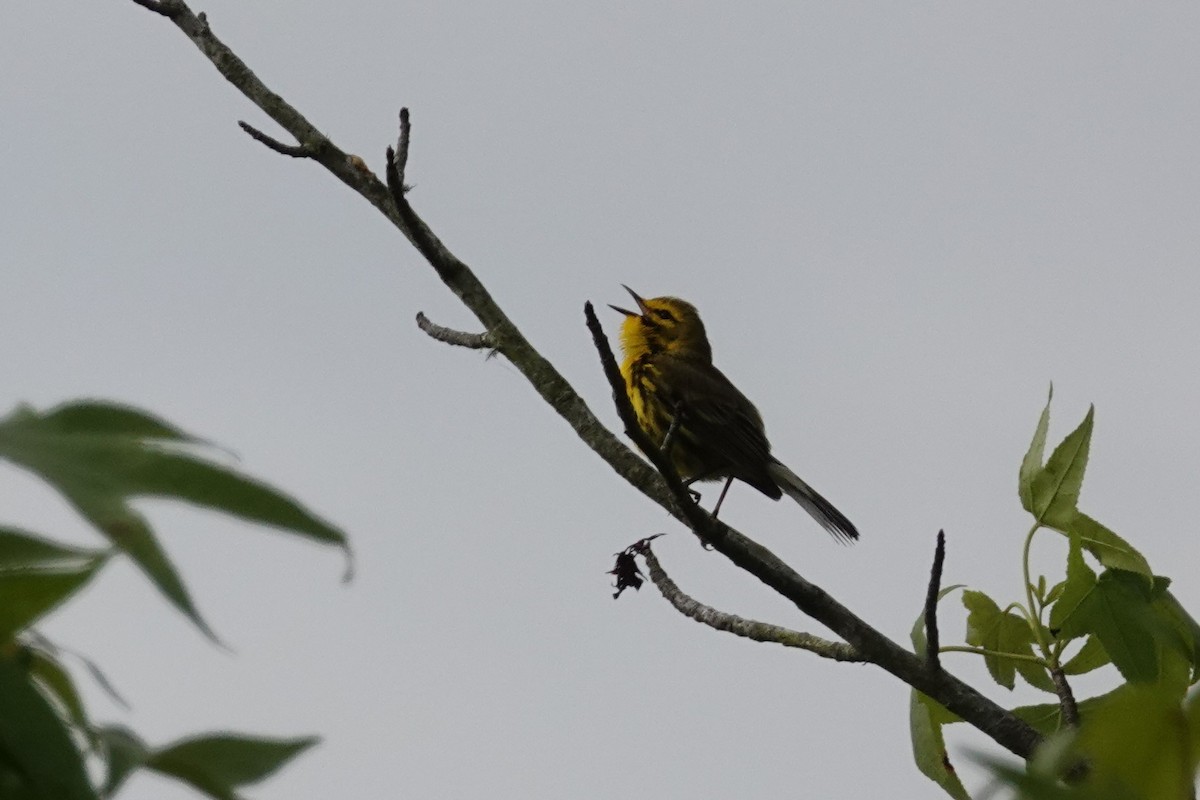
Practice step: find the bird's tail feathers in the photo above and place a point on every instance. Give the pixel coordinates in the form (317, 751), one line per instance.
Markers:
(821, 509)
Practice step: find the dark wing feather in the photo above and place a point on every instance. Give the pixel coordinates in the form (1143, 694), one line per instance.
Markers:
(721, 418)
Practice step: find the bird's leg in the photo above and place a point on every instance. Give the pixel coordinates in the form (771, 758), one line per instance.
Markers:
(721, 499)
(669, 439)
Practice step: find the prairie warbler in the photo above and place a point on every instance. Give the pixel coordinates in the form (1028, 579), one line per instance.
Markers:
(707, 427)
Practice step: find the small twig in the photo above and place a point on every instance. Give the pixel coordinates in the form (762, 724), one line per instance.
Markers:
(293, 150)
(1066, 698)
(983, 651)
(475, 341)
(739, 626)
(704, 526)
(931, 601)
(401, 157)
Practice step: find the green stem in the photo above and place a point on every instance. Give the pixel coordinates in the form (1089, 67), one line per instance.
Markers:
(954, 648)
(1035, 611)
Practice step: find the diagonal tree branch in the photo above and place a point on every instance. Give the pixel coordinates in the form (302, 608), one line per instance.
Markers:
(1006, 729)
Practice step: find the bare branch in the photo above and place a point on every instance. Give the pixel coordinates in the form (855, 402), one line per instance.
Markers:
(739, 626)
(293, 150)
(401, 159)
(662, 487)
(475, 341)
(932, 659)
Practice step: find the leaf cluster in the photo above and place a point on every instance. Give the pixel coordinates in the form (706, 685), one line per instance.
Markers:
(100, 457)
(1123, 615)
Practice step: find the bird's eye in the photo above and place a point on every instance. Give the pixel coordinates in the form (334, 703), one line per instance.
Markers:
(663, 314)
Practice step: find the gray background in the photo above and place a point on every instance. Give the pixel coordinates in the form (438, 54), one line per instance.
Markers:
(900, 221)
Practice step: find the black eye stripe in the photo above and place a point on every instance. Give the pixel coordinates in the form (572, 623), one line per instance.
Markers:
(662, 313)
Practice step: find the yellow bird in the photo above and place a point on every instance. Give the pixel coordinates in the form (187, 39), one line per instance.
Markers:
(687, 406)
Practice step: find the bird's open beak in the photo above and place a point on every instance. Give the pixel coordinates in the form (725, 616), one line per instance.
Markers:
(641, 304)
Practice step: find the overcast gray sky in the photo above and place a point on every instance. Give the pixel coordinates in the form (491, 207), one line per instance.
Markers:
(900, 222)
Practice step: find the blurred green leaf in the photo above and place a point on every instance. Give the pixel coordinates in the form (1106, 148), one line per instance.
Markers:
(1003, 632)
(100, 456)
(35, 741)
(1055, 488)
(1031, 465)
(93, 417)
(27, 595)
(124, 752)
(24, 550)
(218, 765)
(1139, 740)
(1191, 710)
(1091, 656)
(53, 676)
(1032, 787)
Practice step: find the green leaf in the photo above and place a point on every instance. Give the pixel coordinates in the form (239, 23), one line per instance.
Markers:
(1091, 656)
(183, 477)
(100, 456)
(925, 720)
(124, 752)
(27, 595)
(1035, 675)
(1108, 548)
(93, 417)
(1054, 593)
(929, 744)
(35, 742)
(1192, 711)
(131, 533)
(1002, 632)
(918, 629)
(1031, 465)
(1139, 740)
(1117, 610)
(218, 764)
(24, 550)
(1185, 626)
(1055, 488)
(55, 679)
(1029, 786)
(1046, 718)
(1076, 589)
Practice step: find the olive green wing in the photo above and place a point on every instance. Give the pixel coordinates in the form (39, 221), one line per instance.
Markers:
(719, 417)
